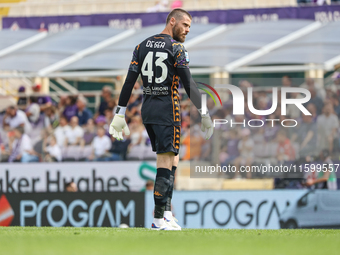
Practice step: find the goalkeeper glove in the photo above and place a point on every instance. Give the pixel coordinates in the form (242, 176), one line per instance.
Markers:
(118, 124)
(206, 125)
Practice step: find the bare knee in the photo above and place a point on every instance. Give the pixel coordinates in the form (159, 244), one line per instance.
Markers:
(165, 160)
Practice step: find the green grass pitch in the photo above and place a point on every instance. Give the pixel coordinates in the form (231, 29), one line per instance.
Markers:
(67, 240)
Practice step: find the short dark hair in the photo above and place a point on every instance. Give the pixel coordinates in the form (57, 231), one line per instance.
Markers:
(177, 14)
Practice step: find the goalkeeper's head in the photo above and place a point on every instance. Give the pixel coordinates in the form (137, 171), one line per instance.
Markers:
(179, 22)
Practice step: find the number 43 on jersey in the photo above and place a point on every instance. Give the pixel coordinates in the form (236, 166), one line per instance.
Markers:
(147, 67)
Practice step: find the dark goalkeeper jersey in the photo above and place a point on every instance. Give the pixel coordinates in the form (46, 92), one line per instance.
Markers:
(157, 59)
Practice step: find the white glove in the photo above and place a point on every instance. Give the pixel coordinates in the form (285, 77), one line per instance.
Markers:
(207, 126)
(117, 126)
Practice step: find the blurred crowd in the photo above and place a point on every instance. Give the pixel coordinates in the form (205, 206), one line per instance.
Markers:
(40, 130)
(273, 143)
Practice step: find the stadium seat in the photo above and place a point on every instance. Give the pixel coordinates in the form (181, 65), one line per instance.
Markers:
(72, 153)
(85, 152)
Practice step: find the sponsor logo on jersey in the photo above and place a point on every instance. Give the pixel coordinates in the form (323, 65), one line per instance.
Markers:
(156, 91)
(160, 88)
(147, 91)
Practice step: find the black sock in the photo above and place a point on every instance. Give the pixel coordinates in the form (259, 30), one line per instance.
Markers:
(161, 189)
(159, 211)
(171, 188)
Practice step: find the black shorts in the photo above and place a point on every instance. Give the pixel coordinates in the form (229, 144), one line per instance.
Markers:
(164, 138)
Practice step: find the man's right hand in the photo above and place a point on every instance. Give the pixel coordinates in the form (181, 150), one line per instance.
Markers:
(117, 126)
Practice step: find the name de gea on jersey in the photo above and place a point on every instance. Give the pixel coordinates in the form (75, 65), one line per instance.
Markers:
(155, 44)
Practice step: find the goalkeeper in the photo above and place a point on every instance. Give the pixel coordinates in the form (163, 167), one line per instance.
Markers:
(162, 60)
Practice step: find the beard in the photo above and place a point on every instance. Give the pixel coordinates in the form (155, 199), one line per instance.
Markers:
(176, 31)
